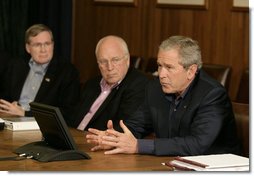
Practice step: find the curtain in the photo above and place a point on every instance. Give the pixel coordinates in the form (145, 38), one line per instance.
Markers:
(13, 21)
(17, 15)
(57, 14)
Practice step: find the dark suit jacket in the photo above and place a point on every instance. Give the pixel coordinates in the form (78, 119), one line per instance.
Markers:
(120, 103)
(204, 122)
(60, 86)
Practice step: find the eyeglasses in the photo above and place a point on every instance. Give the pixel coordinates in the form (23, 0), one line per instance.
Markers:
(40, 45)
(114, 61)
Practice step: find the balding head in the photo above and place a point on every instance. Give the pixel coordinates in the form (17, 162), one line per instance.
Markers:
(113, 58)
(112, 40)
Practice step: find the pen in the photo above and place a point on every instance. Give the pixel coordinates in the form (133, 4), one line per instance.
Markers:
(191, 162)
(177, 167)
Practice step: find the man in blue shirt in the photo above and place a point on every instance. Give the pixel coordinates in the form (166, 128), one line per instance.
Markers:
(42, 78)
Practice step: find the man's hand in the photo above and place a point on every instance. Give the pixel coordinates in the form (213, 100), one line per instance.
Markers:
(95, 137)
(12, 109)
(120, 142)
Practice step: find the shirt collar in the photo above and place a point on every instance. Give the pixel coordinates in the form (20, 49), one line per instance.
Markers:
(38, 67)
(105, 86)
(172, 96)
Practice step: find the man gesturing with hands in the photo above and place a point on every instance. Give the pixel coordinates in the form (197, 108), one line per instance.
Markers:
(189, 112)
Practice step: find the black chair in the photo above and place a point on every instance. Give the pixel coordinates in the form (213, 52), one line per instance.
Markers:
(151, 68)
(241, 112)
(136, 62)
(221, 73)
(151, 65)
(243, 89)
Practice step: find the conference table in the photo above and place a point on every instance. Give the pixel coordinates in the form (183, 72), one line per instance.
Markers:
(99, 162)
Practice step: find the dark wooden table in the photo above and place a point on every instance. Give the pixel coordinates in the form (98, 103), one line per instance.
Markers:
(100, 162)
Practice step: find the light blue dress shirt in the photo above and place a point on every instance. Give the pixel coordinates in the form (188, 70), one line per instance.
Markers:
(32, 83)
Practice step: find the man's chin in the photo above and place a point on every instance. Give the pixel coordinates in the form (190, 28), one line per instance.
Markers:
(111, 81)
(42, 60)
(166, 90)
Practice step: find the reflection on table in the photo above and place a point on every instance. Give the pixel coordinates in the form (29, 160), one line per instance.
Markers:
(10, 140)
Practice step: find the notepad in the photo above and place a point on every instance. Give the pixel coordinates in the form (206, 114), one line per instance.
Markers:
(21, 123)
(218, 162)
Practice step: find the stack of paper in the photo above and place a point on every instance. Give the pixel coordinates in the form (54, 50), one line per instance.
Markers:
(21, 123)
(218, 162)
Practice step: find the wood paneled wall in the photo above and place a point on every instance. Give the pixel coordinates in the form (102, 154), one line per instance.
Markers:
(223, 34)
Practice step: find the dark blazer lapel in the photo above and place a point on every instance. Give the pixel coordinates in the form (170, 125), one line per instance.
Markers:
(87, 103)
(46, 82)
(123, 84)
(184, 105)
(160, 109)
(164, 120)
(181, 113)
(105, 103)
(20, 78)
(49, 79)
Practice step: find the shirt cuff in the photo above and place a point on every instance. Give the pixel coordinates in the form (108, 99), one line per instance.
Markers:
(145, 146)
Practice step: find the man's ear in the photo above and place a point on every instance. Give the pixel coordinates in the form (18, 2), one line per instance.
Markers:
(192, 71)
(28, 48)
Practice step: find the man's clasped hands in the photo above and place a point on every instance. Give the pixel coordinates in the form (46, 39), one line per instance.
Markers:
(113, 141)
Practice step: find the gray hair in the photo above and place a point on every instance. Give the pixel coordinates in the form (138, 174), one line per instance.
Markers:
(121, 41)
(35, 29)
(188, 48)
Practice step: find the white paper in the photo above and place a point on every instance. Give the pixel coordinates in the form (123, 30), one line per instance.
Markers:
(218, 162)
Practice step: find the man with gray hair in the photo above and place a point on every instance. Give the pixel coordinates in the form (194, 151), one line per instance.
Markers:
(189, 112)
(116, 93)
(41, 77)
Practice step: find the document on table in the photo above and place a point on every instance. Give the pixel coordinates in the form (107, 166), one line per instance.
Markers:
(21, 123)
(217, 162)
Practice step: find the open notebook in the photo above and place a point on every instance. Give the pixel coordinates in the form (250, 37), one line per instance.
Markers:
(217, 162)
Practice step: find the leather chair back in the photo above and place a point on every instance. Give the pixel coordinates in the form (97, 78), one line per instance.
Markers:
(221, 73)
(243, 89)
(136, 62)
(151, 65)
(241, 112)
